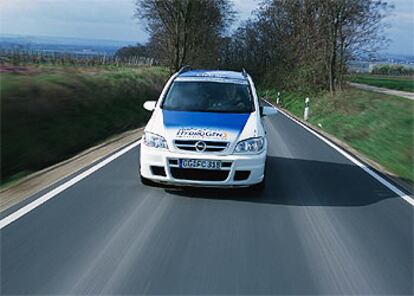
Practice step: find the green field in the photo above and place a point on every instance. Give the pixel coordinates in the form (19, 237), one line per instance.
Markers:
(379, 126)
(51, 113)
(404, 83)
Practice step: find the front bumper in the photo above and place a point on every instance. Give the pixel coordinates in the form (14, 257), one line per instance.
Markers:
(166, 169)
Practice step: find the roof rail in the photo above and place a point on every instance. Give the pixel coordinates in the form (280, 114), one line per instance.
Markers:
(184, 69)
(244, 73)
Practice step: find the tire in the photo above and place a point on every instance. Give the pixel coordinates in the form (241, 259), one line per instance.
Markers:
(259, 187)
(146, 181)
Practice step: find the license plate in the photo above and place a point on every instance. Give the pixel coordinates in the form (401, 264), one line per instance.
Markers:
(200, 164)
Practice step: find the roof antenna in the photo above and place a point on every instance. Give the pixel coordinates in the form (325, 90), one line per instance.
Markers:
(244, 72)
(184, 69)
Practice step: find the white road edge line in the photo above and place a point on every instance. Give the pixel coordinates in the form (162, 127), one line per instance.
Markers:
(44, 198)
(366, 168)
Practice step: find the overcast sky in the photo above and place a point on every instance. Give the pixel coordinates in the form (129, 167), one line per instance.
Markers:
(113, 20)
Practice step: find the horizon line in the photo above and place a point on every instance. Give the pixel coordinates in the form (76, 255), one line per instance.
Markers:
(135, 42)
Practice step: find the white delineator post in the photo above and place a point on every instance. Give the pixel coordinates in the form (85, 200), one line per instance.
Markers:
(278, 98)
(306, 113)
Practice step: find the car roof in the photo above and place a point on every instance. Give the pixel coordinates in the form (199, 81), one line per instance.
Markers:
(212, 76)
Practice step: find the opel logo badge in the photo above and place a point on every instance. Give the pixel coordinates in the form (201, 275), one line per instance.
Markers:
(200, 146)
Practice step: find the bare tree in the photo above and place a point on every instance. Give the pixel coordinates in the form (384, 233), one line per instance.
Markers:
(186, 31)
(308, 43)
(350, 27)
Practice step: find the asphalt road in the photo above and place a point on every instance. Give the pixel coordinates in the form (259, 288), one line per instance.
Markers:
(322, 226)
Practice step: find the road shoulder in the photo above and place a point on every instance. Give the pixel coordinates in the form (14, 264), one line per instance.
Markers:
(16, 193)
(406, 186)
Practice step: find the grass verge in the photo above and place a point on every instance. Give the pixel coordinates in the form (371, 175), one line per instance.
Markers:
(391, 82)
(378, 126)
(50, 114)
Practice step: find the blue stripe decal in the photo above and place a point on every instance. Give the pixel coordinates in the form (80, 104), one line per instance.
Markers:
(234, 122)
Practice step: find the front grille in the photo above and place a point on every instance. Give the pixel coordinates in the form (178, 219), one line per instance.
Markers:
(199, 175)
(211, 146)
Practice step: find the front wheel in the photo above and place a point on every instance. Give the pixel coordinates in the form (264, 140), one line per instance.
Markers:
(146, 181)
(259, 187)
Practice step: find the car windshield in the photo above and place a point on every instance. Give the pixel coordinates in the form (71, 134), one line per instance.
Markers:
(209, 97)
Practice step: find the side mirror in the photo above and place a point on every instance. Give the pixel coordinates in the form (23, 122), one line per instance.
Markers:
(150, 105)
(267, 111)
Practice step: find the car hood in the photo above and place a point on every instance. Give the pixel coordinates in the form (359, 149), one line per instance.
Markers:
(203, 125)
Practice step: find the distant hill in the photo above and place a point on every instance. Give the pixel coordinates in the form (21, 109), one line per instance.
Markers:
(61, 44)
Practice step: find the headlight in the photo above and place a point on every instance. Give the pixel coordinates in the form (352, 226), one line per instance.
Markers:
(154, 141)
(253, 145)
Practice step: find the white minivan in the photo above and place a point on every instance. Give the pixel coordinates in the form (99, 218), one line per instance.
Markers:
(206, 130)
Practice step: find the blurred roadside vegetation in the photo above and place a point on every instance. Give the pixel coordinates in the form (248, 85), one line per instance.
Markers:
(404, 83)
(379, 126)
(24, 57)
(49, 113)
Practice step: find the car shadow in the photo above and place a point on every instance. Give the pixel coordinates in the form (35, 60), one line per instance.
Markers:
(300, 182)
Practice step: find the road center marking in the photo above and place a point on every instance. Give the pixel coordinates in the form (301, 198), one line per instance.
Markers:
(44, 198)
(366, 168)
